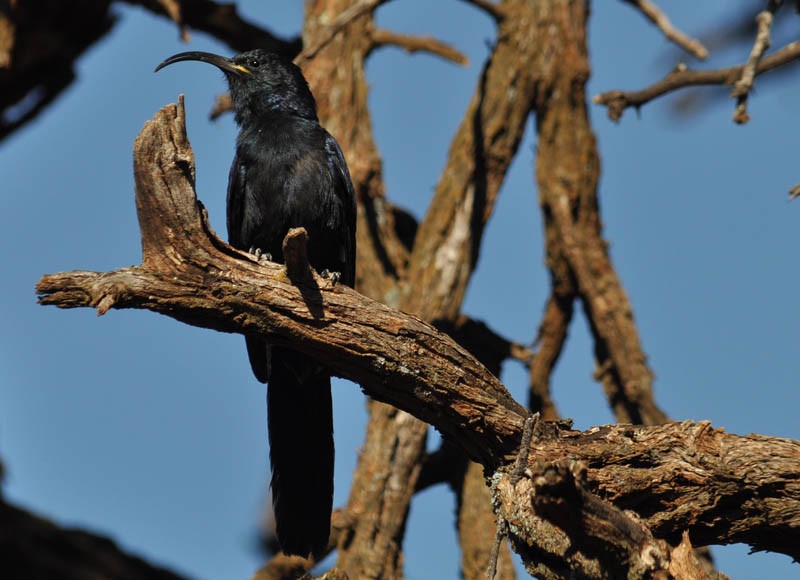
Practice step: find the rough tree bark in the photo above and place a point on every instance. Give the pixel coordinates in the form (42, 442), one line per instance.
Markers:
(598, 502)
(567, 174)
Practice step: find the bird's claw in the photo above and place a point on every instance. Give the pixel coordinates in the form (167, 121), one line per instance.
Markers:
(334, 277)
(259, 255)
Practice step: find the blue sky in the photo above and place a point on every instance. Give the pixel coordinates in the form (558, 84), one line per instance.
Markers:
(154, 432)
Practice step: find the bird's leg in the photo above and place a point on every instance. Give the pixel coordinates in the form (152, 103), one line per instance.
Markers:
(259, 255)
(334, 277)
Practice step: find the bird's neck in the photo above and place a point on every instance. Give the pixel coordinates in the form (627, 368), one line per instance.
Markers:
(260, 108)
(280, 133)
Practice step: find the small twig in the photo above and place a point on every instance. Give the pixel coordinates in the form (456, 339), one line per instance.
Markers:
(794, 192)
(743, 86)
(411, 43)
(524, 448)
(295, 254)
(521, 353)
(490, 8)
(173, 11)
(222, 104)
(660, 19)
(500, 533)
(516, 474)
(550, 340)
(442, 466)
(345, 17)
(682, 76)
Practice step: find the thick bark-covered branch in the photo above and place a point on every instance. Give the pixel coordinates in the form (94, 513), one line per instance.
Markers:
(222, 21)
(34, 547)
(576, 534)
(189, 274)
(476, 520)
(405, 361)
(449, 237)
(496, 11)
(344, 18)
(41, 40)
(567, 173)
(721, 487)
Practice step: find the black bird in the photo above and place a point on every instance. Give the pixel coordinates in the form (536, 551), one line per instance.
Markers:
(289, 172)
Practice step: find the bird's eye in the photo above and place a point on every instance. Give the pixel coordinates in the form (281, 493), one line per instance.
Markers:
(254, 63)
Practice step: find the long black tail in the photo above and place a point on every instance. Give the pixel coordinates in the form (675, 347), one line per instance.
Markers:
(300, 421)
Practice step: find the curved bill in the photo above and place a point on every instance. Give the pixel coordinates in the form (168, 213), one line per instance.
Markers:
(223, 63)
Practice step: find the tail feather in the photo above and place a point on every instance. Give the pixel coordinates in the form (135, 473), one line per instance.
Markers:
(300, 420)
(258, 351)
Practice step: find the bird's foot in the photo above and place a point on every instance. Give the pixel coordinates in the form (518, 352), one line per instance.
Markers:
(259, 255)
(334, 277)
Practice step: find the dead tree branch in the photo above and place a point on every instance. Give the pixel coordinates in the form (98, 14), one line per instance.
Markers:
(353, 12)
(496, 11)
(485, 344)
(743, 86)
(567, 174)
(34, 72)
(657, 16)
(682, 77)
(222, 21)
(200, 280)
(578, 534)
(550, 341)
(475, 518)
(449, 237)
(34, 547)
(410, 43)
(676, 477)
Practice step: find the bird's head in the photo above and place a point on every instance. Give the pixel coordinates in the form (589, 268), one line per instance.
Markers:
(260, 82)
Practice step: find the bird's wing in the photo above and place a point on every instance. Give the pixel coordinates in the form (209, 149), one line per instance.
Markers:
(344, 189)
(237, 181)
